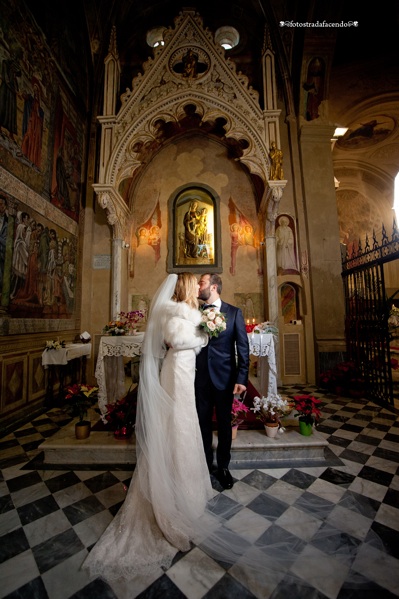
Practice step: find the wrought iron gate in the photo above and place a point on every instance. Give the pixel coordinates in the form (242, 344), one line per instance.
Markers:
(367, 313)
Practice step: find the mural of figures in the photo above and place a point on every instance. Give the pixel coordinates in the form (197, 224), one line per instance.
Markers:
(287, 262)
(42, 277)
(243, 244)
(66, 175)
(10, 72)
(314, 86)
(3, 235)
(32, 125)
(20, 254)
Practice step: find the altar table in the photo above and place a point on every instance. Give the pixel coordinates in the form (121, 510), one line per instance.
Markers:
(110, 372)
(264, 346)
(52, 358)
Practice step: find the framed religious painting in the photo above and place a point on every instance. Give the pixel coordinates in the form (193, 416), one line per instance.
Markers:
(194, 237)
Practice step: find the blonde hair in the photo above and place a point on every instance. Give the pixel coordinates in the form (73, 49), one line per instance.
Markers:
(186, 289)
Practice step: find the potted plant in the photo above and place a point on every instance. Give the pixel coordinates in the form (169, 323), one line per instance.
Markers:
(121, 415)
(237, 408)
(307, 409)
(269, 411)
(79, 399)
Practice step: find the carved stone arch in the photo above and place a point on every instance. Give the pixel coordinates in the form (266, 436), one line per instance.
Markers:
(171, 109)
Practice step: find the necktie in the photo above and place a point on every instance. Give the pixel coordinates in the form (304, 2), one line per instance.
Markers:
(206, 306)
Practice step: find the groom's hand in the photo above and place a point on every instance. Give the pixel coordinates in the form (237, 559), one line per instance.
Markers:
(238, 389)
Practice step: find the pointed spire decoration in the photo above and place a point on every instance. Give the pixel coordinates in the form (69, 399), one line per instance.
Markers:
(385, 239)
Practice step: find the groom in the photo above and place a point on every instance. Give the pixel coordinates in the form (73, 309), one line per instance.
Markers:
(222, 370)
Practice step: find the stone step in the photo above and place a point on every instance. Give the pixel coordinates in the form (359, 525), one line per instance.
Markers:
(251, 449)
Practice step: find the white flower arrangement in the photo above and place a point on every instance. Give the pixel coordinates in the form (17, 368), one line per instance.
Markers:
(54, 345)
(213, 322)
(270, 408)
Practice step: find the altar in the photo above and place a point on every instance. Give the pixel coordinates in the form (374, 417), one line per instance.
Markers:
(264, 346)
(110, 371)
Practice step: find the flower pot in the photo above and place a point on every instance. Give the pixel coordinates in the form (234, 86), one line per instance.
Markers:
(305, 428)
(271, 429)
(124, 432)
(234, 430)
(82, 429)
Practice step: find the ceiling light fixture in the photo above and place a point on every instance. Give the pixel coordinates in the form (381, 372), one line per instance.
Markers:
(155, 37)
(227, 37)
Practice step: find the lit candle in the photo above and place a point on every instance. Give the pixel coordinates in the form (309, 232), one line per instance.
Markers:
(253, 321)
(247, 320)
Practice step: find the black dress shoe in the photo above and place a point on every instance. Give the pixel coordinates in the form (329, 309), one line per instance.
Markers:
(225, 478)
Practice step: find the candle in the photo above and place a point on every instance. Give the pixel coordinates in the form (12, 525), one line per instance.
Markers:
(247, 320)
(253, 321)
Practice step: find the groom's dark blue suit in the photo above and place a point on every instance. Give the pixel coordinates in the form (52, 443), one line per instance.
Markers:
(220, 365)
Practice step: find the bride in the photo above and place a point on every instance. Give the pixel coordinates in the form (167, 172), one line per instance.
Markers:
(170, 485)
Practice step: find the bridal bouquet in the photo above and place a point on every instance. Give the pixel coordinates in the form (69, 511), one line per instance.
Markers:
(213, 322)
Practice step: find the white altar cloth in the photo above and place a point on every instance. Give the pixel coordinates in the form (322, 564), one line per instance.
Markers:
(264, 346)
(110, 372)
(61, 357)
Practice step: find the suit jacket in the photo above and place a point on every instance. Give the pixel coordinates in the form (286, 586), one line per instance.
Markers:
(226, 356)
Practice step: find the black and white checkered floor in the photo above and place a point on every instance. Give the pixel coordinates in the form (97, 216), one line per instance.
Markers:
(50, 518)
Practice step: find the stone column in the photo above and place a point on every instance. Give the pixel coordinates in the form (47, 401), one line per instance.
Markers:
(323, 238)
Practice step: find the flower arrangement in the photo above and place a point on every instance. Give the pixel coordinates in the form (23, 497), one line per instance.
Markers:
(54, 344)
(271, 408)
(237, 408)
(213, 322)
(265, 327)
(124, 324)
(79, 399)
(306, 407)
(131, 318)
(122, 413)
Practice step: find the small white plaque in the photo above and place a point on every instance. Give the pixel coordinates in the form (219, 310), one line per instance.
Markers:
(102, 261)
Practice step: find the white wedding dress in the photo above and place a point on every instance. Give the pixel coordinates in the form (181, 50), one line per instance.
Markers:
(170, 485)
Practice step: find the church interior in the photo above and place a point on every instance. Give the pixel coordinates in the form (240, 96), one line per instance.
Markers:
(273, 127)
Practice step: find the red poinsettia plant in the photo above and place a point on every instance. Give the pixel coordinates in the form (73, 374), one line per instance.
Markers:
(307, 409)
(122, 413)
(238, 408)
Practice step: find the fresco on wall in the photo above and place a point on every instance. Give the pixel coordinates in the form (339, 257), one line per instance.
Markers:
(286, 253)
(251, 306)
(243, 237)
(368, 133)
(67, 167)
(41, 130)
(149, 235)
(38, 263)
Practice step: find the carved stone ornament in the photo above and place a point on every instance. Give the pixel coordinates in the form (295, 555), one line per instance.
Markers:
(190, 69)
